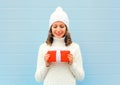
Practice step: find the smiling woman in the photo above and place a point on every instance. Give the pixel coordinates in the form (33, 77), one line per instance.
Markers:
(59, 30)
(59, 71)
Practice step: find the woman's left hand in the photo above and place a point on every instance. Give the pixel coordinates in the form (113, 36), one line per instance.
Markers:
(70, 57)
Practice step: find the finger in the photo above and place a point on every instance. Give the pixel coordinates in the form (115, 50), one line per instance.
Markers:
(46, 57)
(71, 56)
(70, 59)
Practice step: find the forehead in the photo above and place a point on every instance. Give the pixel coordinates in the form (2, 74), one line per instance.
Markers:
(58, 22)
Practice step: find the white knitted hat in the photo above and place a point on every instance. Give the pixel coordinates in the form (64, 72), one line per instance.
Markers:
(59, 15)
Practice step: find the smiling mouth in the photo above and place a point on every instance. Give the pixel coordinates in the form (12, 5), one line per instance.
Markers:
(58, 34)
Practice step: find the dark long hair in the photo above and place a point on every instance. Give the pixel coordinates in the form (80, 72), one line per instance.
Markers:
(67, 38)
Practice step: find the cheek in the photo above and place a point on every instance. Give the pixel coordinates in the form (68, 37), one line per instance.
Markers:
(53, 32)
(64, 31)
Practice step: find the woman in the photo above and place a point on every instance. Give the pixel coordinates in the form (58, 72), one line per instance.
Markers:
(59, 73)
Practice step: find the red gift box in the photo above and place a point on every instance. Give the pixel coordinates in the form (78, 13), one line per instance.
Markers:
(52, 57)
(59, 55)
(64, 54)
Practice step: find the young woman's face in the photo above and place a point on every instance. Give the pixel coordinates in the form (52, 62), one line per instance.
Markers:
(58, 29)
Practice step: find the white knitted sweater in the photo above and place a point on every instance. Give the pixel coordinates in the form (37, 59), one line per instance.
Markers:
(59, 73)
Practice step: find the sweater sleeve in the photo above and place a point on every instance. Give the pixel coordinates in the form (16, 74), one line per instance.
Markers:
(77, 66)
(41, 69)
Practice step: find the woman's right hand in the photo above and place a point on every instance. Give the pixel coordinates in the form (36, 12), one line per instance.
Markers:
(46, 57)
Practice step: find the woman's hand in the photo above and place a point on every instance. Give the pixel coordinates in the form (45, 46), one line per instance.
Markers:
(46, 57)
(70, 57)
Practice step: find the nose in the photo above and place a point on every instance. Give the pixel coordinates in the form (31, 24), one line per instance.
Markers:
(58, 28)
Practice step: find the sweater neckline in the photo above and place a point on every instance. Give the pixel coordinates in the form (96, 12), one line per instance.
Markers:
(58, 41)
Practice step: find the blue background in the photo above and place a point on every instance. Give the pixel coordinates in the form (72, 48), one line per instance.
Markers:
(94, 25)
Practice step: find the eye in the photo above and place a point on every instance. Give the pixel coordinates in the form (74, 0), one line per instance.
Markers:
(62, 26)
(54, 26)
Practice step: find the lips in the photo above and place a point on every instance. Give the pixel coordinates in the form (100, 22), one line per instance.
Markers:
(58, 33)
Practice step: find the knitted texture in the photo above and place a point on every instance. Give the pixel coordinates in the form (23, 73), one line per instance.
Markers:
(59, 15)
(59, 73)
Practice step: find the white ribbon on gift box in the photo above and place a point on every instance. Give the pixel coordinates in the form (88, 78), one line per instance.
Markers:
(58, 56)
